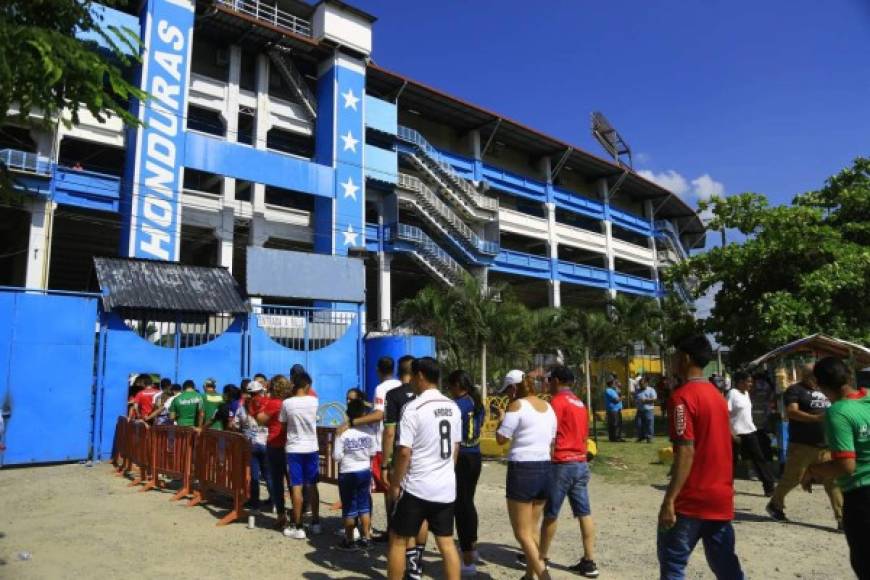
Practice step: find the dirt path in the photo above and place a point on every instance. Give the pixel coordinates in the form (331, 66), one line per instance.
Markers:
(80, 522)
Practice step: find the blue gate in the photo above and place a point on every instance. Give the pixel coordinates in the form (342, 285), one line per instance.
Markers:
(325, 340)
(169, 344)
(47, 347)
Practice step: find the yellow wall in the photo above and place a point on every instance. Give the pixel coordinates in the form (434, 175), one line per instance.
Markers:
(639, 364)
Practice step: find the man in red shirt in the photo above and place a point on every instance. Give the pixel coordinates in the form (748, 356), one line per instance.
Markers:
(570, 471)
(699, 501)
(144, 399)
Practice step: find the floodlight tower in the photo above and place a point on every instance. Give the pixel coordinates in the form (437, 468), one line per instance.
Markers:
(614, 144)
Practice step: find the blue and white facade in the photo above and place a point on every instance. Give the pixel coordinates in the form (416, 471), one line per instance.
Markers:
(269, 126)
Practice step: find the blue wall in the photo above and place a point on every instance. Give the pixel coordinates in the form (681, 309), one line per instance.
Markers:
(393, 346)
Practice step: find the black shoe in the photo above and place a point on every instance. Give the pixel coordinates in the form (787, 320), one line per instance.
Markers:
(585, 568)
(768, 492)
(346, 546)
(521, 560)
(381, 538)
(364, 544)
(776, 513)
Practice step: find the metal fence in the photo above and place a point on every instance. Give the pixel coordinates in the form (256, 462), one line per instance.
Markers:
(266, 12)
(303, 329)
(176, 330)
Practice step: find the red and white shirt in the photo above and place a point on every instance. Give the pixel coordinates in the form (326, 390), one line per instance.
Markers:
(698, 415)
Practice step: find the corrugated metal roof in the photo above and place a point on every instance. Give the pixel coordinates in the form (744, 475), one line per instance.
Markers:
(149, 284)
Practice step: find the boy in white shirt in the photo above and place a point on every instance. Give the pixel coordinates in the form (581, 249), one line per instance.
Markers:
(353, 451)
(303, 460)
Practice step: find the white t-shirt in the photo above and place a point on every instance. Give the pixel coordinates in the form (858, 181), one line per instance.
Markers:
(300, 414)
(740, 412)
(530, 432)
(380, 399)
(431, 426)
(354, 449)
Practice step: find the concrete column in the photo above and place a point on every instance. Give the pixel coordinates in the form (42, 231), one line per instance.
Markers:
(39, 243)
(555, 298)
(231, 106)
(224, 232)
(648, 209)
(263, 121)
(385, 296)
(604, 194)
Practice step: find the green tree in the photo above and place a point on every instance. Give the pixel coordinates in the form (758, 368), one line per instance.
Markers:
(47, 72)
(802, 268)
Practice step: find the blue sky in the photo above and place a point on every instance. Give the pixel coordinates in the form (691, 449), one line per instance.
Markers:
(713, 96)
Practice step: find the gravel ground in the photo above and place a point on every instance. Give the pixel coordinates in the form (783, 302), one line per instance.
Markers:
(82, 522)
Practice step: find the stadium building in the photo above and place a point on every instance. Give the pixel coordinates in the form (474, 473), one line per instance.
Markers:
(271, 127)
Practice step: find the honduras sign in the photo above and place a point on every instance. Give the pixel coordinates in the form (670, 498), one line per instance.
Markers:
(155, 152)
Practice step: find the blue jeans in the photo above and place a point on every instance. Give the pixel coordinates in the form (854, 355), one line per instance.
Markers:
(569, 480)
(676, 544)
(644, 423)
(259, 470)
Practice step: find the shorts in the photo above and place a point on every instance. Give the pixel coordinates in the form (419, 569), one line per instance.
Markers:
(410, 512)
(528, 480)
(353, 489)
(569, 480)
(303, 467)
(378, 483)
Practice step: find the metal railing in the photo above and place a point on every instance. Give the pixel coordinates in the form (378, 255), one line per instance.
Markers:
(414, 137)
(265, 12)
(666, 228)
(176, 330)
(16, 160)
(429, 253)
(292, 76)
(431, 201)
(303, 329)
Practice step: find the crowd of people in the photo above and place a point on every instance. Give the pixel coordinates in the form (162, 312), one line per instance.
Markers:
(420, 447)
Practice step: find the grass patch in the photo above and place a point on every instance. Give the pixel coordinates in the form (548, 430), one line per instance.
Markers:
(630, 462)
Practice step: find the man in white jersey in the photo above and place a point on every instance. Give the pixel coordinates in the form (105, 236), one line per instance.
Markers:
(423, 479)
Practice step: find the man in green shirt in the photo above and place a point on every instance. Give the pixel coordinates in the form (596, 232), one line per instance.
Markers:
(847, 429)
(186, 408)
(211, 402)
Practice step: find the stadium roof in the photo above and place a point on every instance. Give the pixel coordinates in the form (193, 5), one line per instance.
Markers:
(464, 116)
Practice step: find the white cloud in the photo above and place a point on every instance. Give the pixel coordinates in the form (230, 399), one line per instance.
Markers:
(706, 187)
(670, 180)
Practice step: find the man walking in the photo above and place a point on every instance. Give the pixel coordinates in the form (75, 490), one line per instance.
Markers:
(743, 429)
(847, 425)
(613, 407)
(570, 477)
(699, 501)
(423, 479)
(805, 407)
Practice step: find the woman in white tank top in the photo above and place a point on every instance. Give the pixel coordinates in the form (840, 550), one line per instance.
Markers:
(530, 425)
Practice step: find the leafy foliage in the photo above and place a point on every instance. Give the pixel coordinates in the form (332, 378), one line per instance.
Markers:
(803, 268)
(45, 69)
(465, 318)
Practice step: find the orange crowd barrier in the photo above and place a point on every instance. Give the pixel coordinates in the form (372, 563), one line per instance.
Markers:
(325, 445)
(138, 450)
(120, 455)
(222, 463)
(171, 451)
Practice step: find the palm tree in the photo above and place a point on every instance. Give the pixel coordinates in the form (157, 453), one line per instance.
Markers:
(636, 320)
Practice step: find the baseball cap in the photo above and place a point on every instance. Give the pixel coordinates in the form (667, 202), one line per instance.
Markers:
(209, 382)
(512, 378)
(255, 387)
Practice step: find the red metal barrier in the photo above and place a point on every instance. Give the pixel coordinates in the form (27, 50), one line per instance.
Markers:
(138, 449)
(120, 454)
(222, 463)
(325, 445)
(172, 456)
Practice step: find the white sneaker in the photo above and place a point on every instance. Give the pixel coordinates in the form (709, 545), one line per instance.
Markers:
(315, 529)
(468, 571)
(295, 533)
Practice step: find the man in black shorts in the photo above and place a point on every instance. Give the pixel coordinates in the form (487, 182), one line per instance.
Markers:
(424, 467)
